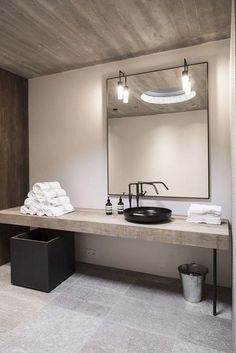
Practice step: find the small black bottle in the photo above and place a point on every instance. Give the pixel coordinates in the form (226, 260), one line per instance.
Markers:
(120, 206)
(108, 207)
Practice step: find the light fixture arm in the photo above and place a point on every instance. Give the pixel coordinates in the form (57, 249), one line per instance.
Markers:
(121, 74)
(185, 65)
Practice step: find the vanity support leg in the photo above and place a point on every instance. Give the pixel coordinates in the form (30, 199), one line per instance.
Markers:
(214, 282)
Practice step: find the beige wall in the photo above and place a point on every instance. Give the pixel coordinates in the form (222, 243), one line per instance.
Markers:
(68, 143)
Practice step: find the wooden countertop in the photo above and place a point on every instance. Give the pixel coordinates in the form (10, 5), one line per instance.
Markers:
(91, 221)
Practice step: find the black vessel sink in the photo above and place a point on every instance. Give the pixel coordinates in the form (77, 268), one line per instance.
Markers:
(147, 214)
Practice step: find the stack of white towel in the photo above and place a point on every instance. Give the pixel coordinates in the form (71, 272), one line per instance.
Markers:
(47, 199)
(204, 214)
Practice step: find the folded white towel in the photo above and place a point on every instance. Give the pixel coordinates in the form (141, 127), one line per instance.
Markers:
(206, 220)
(205, 209)
(204, 214)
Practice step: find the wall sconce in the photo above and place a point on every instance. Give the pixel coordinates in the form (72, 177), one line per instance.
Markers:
(122, 90)
(186, 83)
(120, 87)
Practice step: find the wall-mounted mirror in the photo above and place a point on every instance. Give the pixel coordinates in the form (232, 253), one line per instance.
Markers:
(162, 140)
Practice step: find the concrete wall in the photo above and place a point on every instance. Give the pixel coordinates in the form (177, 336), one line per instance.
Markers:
(68, 143)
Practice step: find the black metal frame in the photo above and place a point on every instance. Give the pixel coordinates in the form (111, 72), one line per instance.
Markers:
(214, 282)
(208, 135)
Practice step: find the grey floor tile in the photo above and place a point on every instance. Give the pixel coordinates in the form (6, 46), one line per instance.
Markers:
(159, 319)
(5, 280)
(27, 293)
(116, 280)
(14, 309)
(9, 321)
(224, 309)
(157, 292)
(65, 285)
(115, 338)
(186, 347)
(100, 295)
(82, 306)
(52, 330)
(206, 330)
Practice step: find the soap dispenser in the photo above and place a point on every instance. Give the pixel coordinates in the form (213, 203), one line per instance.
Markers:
(120, 206)
(108, 207)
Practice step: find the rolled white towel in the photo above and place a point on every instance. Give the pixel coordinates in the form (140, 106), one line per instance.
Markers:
(40, 212)
(24, 210)
(27, 202)
(33, 210)
(32, 195)
(54, 185)
(54, 211)
(51, 193)
(68, 208)
(38, 187)
(35, 195)
(60, 192)
(45, 203)
(31, 202)
(58, 201)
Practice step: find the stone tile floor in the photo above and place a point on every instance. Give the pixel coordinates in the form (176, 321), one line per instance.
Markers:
(104, 310)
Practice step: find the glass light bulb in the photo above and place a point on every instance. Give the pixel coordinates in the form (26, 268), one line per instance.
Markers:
(188, 87)
(126, 94)
(120, 90)
(185, 80)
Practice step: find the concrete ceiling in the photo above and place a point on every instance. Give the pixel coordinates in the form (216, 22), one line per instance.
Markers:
(160, 81)
(40, 37)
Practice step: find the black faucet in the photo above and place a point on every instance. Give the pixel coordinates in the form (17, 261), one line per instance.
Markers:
(140, 192)
(130, 193)
(141, 183)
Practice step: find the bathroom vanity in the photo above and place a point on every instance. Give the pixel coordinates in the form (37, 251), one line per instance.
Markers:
(90, 221)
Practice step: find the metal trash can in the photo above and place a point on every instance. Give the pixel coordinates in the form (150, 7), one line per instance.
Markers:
(192, 277)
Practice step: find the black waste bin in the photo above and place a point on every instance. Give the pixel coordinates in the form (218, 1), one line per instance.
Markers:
(42, 258)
